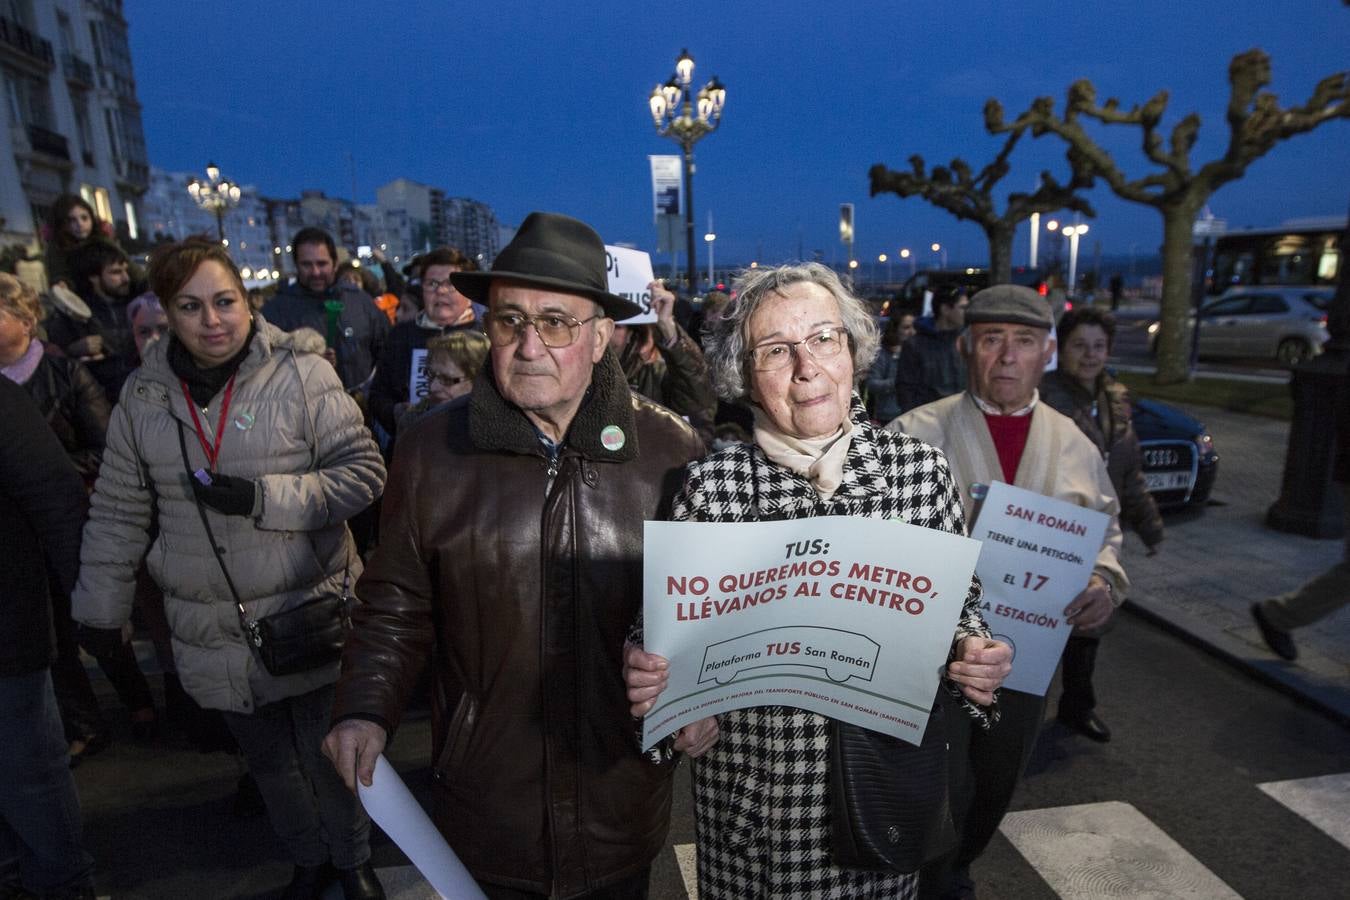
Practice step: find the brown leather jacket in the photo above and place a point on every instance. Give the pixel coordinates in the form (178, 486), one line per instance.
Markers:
(517, 580)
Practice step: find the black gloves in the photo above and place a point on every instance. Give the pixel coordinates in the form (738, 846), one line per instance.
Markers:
(227, 494)
(100, 642)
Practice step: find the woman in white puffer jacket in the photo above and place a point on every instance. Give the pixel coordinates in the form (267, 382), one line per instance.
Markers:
(289, 461)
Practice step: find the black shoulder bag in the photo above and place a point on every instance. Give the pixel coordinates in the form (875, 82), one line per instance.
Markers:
(889, 806)
(306, 637)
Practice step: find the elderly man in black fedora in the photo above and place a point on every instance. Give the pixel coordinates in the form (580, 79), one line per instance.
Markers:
(510, 561)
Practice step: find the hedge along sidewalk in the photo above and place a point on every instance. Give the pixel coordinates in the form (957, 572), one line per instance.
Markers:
(1266, 397)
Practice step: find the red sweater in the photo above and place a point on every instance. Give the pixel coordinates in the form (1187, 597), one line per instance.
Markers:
(1010, 439)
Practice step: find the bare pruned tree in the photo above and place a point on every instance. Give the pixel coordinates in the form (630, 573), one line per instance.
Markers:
(970, 196)
(1179, 190)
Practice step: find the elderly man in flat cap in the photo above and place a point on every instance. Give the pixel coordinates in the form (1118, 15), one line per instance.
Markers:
(998, 431)
(510, 562)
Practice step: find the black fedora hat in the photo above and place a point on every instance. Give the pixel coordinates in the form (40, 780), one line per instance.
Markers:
(551, 250)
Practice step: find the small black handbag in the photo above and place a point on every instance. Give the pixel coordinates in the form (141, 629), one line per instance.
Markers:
(306, 637)
(309, 636)
(889, 800)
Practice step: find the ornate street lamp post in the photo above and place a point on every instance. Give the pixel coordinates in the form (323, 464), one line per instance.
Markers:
(215, 195)
(686, 118)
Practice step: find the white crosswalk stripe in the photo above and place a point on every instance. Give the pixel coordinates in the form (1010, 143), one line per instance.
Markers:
(1100, 850)
(1323, 801)
(1085, 852)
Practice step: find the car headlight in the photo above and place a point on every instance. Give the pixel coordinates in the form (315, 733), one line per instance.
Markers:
(1153, 329)
(1204, 444)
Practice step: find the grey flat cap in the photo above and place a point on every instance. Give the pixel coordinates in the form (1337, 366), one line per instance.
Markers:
(1011, 303)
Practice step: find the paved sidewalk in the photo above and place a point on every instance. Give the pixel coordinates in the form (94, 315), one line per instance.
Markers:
(1216, 562)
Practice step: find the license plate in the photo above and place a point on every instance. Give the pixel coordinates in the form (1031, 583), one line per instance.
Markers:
(1167, 481)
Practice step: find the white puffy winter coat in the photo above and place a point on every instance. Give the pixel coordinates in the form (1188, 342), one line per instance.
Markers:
(294, 430)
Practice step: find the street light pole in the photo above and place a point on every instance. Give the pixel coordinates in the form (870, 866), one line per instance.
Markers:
(686, 118)
(1052, 226)
(710, 238)
(215, 195)
(1035, 236)
(1074, 232)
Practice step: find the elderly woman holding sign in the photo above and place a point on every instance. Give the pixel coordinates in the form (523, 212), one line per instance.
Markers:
(791, 344)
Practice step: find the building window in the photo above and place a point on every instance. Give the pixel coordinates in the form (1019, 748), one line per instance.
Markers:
(85, 131)
(67, 35)
(97, 44)
(12, 100)
(133, 228)
(97, 197)
(113, 140)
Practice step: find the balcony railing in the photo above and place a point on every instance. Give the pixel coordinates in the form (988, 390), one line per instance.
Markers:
(48, 142)
(77, 70)
(14, 35)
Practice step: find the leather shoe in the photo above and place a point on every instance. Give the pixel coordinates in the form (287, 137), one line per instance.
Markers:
(1088, 724)
(360, 883)
(308, 882)
(1277, 638)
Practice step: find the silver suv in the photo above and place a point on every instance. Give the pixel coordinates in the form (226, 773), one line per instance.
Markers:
(1279, 322)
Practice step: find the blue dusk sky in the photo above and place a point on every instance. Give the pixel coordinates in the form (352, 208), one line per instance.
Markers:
(540, 105)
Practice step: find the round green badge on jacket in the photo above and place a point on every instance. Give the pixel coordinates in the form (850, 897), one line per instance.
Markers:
(244, 421)
(612, 438)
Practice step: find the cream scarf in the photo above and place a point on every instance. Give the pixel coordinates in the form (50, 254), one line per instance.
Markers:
(819, 460)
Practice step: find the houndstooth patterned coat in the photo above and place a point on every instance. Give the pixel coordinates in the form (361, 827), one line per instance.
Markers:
(760, 795)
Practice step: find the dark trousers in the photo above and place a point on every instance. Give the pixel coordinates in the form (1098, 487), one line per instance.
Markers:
(80, 715)
(41, 842)
(1077, 665)
(309, 807)
(985, 769)
(632, 888)
(124, 673)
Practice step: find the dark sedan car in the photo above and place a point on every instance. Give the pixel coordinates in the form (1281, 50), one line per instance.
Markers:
(1180, 463)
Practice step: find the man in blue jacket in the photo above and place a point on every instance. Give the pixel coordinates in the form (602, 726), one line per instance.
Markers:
(353, 325)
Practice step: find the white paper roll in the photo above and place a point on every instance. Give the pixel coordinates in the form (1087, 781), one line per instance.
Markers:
(393, 807)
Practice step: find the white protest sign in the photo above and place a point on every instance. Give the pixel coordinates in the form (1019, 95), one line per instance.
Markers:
(1038, 555)
(629, 272)
(418, 384)
(844, 616)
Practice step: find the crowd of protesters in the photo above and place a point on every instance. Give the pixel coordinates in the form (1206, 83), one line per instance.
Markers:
(219, 458)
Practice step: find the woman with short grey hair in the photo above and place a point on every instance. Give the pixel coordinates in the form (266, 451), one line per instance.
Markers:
(761, 787)
(726, 340)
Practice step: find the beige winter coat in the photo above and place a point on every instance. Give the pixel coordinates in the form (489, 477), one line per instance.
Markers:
(1059, 461)
(295, 431)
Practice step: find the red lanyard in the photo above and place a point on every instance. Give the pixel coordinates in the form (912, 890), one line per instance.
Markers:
(212, 452)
